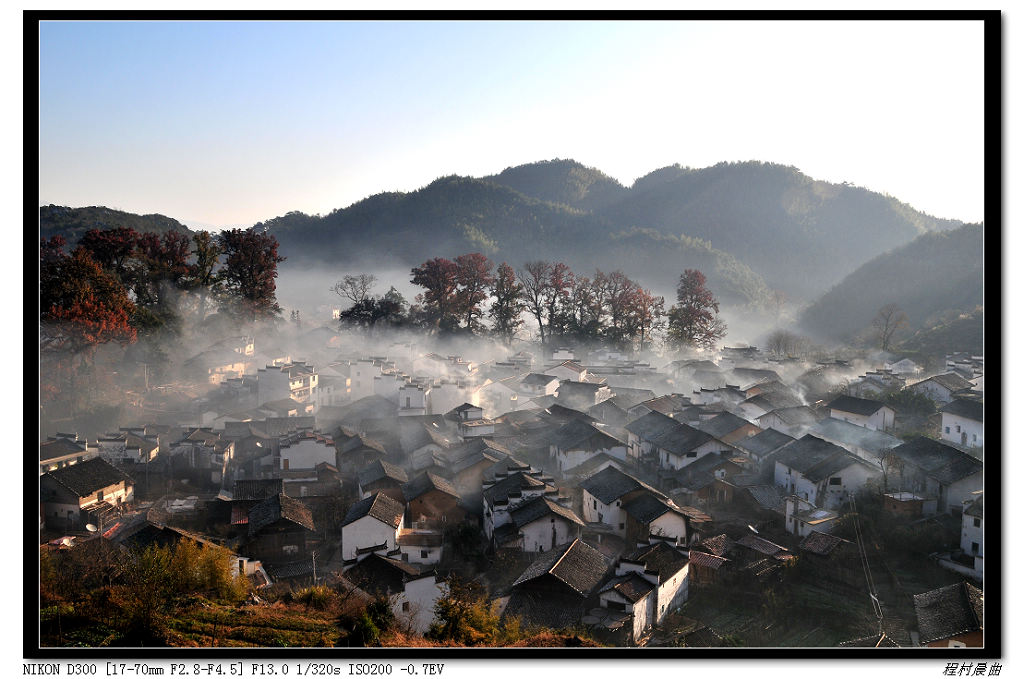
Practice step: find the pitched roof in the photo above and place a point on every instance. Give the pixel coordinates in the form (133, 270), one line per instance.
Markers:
(380, 470)
(59, 447)
(256, 489)
(719, 545)
(857, 406)
(937, 459)
(576, 564)
(85, 478)
(632, 586)
(539, 507)
(723, 425)
(759, 544)
(659, 557)
(378, 574)
(976, 508)
(651, 424)
(821, 543)
(279, 507)
(767, 497)
(647, 507)
(963, 407)
(538, 380)
(681, 439)
(511, 487)
(951, 381)
(853, 435)
(809, 451)
(764, 443)
(381, 507)
(948, 611)
(705, 560)
(577, 433)
(610, 484)
(426, 482)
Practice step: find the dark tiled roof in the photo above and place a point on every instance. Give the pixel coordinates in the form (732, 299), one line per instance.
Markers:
(659, 558)
(588, 468)
(719, 545)
(950, 380)
(577, 564)
(858, 406)
(538, 380)
(578, 433)
(631, 585)
(795, 415)
(539, 507)
(380, 470)
(705, 560)
(256, 489)
(853, 435)
(948, 611)
(380, 507)
(764, 442)
(821, 543)
(963, 407)
(279, 507)
(806, 452)
(610, 484)
(722, 425)
(512, 487)
(58, 448)
(759, 544)
(646, 508)
(378, 574)
(85, 478)
(547, 609)
(938, 460)
(681, 439)
(426, 482)
(767, 497)
(651, 425)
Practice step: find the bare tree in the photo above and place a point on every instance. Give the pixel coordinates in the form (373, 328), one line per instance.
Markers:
(534, 279)
(887, 323)
(356, 288)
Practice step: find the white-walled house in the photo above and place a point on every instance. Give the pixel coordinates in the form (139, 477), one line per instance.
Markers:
(606, 495)
(972, 537)
(863, 412)
(578, 441)
(68, 494)
(543, 524)
(297, 380)
(372, 524)
(411, 590)
(940, 388)
(649, 583)
(501, 496)
(935, 471)
(306, 449)
(821, 472)
(963, 422)
(422, 546)
(803, 517)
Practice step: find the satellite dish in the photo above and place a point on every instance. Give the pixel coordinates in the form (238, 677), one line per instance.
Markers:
(91, 528)
(752, 528)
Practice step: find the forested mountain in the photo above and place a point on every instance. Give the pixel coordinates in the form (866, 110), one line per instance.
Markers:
(933, 279)
(73, 222)
(455, 215)
(751, 227)
(562, 181)
(800, 234)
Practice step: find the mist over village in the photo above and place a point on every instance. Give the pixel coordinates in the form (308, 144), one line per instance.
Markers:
(730, 405)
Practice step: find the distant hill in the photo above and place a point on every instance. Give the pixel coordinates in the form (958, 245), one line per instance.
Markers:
(800, 234)
(750, 227)
(933, 279)
(72, 223)
(566, 182)
(455, 215)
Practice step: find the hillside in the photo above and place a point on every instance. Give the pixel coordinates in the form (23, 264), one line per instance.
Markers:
(562, 181)
(751, 227)
(455, 215)
(932, 279)
(800, 234)
(72, 223)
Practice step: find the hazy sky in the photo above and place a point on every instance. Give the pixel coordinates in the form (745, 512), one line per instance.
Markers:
(225, 123)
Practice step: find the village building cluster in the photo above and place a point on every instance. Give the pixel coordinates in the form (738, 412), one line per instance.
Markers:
(606, 490)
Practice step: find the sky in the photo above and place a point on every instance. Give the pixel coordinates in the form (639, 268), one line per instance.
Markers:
(228, 123)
